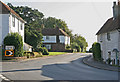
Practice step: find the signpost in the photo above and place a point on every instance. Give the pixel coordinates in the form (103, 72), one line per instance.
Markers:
(9, 50)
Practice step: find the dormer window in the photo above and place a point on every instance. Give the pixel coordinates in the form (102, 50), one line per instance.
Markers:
(13, 21)
(108, 36)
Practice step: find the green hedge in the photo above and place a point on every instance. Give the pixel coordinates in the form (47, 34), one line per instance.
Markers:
(96, 50)
(43, 50)
(15, 39)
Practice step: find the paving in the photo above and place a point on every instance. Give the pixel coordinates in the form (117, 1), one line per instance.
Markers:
(61, 67)
(97, 64)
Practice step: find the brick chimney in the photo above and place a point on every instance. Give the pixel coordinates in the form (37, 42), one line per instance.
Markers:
(116, 9)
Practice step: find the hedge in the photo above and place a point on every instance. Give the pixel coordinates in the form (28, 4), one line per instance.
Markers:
(96, 50)
(15, 39)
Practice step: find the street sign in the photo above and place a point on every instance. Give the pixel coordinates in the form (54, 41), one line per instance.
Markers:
(9, 47)
(9, 52)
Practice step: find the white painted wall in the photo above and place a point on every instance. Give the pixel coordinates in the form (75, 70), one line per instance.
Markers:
(17, 27)
(108, 46)
(67, 40)
(52, 39)
(4, 26)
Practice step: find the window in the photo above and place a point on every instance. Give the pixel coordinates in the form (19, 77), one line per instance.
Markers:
(13, 21)
(21, 26)
(47, 37)
(48, 46)
(109, 54)
(108, 36)
(100, 38)
(18, 25)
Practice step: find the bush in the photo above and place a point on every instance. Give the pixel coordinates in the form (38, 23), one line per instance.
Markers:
(37, 54)
(15, 39)
(45, 51)
(39, 49)
(68, 47)
(96, 50)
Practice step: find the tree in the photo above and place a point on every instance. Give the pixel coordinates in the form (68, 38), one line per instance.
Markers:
(32, 28)
(81, 41)
(52, 22)
(15, 39)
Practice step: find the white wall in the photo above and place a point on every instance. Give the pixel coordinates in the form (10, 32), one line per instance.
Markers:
(108, 46)
(67, 40)
(4, 26)
(17, 27)
(52, 39)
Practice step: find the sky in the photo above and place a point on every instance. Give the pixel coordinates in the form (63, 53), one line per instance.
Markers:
(84, 17)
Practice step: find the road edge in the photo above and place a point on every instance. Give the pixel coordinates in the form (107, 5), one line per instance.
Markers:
(84, 60)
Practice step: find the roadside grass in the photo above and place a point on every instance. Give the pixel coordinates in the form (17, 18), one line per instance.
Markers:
(56, 53)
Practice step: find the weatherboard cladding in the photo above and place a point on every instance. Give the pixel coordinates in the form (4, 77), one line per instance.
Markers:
(6, 10)
(110, 25)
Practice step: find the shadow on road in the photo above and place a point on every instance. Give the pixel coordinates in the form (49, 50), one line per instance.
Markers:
(21, 70)
(76, 70)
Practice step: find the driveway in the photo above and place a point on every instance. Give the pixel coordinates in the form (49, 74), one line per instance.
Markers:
(62, 67)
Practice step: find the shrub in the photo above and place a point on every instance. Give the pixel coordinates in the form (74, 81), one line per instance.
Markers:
(90, 50)
(15, 39)
(45, 51)
(96, 50)
(68, 47)
(39, 49)
(37, 54)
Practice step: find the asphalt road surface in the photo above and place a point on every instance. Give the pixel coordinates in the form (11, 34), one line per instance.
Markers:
(62, 67)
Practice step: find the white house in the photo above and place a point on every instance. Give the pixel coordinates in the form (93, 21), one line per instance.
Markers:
(10, 21)
(109, 37)
(55, 39)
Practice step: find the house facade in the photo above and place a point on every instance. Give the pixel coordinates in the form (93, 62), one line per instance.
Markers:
(109, 37)
(11, 22)
(55, 39)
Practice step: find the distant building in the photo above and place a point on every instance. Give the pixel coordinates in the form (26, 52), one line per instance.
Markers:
(55, 39)
(109, 36)
(10, 22)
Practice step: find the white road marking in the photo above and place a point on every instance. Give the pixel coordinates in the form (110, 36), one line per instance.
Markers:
(4, 78)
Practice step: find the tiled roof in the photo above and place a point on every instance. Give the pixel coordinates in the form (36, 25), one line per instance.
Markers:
(110, 25)
(53, 31)
(11, 10)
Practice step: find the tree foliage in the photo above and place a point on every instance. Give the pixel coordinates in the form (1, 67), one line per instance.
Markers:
(15, 39)
(36, 22)
(33, 18)
(80, 42)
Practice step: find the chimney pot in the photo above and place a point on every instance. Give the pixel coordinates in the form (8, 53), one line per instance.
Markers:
(114, 3)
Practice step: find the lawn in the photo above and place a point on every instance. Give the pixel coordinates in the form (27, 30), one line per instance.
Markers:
(56, 53)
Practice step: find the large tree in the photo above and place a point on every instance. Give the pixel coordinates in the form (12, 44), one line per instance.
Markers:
(80, 41)
(34, 20)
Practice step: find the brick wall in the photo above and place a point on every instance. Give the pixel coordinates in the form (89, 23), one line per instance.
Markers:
(58, 47)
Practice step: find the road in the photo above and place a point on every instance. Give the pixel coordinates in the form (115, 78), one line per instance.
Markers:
(62, 67)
